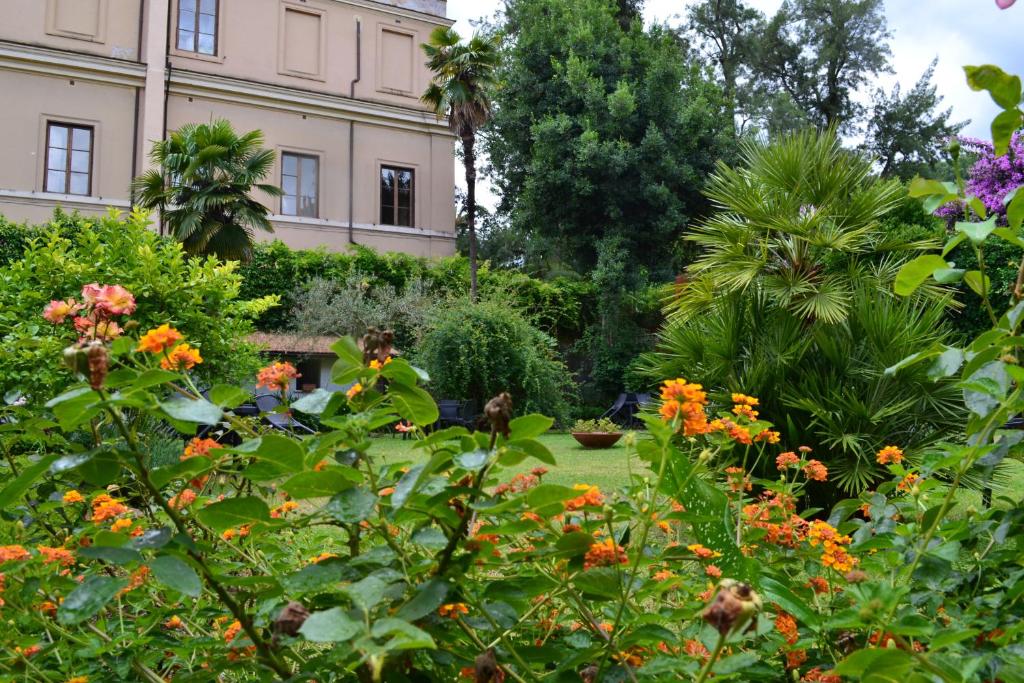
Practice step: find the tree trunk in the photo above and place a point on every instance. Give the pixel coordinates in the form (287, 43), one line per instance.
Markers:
(469, 160)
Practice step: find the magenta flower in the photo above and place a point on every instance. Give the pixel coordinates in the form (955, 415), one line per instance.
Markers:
(1005, 4)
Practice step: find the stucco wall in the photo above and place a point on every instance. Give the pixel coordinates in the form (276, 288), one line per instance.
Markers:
(108, 108)
(108, 28)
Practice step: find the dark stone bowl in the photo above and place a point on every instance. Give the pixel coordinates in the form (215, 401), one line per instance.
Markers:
(597, 439)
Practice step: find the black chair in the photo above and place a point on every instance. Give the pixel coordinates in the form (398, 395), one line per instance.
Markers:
(266, 403)
(453, 414)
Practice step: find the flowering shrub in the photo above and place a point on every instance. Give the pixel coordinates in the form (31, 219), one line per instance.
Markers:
(288, 558)
(199, 297)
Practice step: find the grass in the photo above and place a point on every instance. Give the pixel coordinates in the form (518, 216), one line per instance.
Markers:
(576, 465)
(610, 470)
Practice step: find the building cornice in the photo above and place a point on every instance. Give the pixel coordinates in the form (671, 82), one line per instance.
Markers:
(71, 201)
(267, 95)
(386, 8)
(337, 227)
(64, 64)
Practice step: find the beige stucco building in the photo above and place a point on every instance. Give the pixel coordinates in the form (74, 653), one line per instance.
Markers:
(333, 84)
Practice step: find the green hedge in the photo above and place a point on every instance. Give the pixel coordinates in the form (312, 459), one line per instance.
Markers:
(561, 307)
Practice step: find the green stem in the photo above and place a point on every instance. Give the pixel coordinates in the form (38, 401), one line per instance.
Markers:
(706, 671)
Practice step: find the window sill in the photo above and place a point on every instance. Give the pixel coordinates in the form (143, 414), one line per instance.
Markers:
(198, 56)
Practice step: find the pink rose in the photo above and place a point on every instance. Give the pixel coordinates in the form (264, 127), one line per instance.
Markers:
(115, 300)
(1005, 4)
(57, 311)
(90, 293)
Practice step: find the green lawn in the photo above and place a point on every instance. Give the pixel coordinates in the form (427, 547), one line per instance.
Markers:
(609, 468)
(576, 465)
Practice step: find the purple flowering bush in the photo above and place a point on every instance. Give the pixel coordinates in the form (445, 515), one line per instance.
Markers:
(991, 177)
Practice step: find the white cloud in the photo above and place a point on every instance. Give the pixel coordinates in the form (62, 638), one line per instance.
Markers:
(958, 32)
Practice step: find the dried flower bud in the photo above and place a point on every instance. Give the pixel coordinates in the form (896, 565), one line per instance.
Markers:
(589, 674)
(291, 619)
(76, 360)
(98, 360)
(486, 668)
(499, 413)
(856, 576)
(734, 606)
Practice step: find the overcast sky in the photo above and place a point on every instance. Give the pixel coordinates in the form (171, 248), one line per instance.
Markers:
(958, 32)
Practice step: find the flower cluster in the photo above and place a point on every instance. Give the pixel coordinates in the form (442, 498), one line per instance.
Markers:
(104, 507)
(686, 401)
(606, 553)
(163, 341)
(453, 610)
(590, 496)
(890, 454)
(833, 555)
(277, 376)
(93, 317)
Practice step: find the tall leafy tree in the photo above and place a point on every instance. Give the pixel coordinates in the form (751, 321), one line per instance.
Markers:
(820, 52)
(464, 75)
(202, 184)
(908, 133)
(600, 130)
(727, 31)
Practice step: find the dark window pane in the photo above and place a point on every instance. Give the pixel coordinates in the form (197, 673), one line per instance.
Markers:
(404, 217)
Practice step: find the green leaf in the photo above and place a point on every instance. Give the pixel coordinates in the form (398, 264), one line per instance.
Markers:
(152, 378)
(735, 663)
(281, 450)
(949, 276)
(534, 449)
(429, 596)
(980, 285)
(404, 636)
(314, 403)
(1004, 125)
(549, 494)
(948, 362)
(953, 243)
(330, 626)
(1004, 88)
(111, 554)
(1015, 211)
(352, 505)
(473, 460)
(23, 482)
(977, 232)
(88, 599)
(892, 662)
(197, 411)
(175, 573)
(347, 350)
(323, 484)
(413, 404)
(228, 396)
(1010, 236)
(234, 512)
(529, 426)
(69, 395)
(405, 486)
(777, 592)
(925, 187)
(367, 593)
(913, 274)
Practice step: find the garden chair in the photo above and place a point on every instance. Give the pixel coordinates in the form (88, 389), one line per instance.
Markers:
(453, 413)
(282, 421)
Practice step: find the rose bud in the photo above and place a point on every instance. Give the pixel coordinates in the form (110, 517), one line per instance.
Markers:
(291, 619)
(733, 608)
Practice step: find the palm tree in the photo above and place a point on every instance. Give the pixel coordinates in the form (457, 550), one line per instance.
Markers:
(464, 74)
(791, 300)
(202, 183)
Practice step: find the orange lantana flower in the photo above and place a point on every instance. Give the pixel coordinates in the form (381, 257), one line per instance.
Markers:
(183, 357)
(890, 454)
(159, 339)
(277, 376)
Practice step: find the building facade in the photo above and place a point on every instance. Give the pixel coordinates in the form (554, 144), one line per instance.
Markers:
(333, 84)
